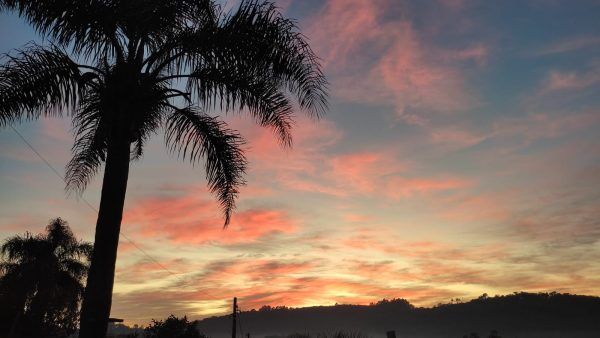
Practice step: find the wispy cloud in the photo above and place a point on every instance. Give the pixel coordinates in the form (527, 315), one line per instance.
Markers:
(394, 64)
(189, 220)
(567, 45)
(558, 81)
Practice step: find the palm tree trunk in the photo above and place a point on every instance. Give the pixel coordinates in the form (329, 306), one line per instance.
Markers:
(13, 327)
(97, 300)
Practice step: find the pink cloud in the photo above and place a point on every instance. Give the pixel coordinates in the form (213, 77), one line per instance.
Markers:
(361, 171)
(511, 133)
(257, 270)
(399, 187)
(189, 220)
(381, 174)
(312, 167)
(412, 82)
(401, 70)
(560, 81)
(342, 28)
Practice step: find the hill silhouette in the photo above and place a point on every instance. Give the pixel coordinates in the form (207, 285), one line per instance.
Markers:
(516, 315)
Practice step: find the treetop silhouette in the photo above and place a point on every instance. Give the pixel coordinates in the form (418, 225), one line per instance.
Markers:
(41, 282)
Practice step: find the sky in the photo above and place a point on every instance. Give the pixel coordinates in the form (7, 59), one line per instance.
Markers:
(460, 156)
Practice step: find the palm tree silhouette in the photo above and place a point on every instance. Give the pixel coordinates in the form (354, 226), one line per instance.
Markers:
(135, 66)
(44, 275)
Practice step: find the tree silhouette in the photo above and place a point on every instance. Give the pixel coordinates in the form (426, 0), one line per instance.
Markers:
(172, 327)
(123, 69)
(41, 281)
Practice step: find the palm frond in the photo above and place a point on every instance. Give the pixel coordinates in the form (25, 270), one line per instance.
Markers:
(149, 114)
(90, 147)
(251, 59)
(261, 37)
(187, 21)
(24, 249)
(89, 154)
(74, 267)
(15, 247)
(232, 88)
(194, 135)
(90, 27)
(37, 81)
(258, 39)
(156, 20)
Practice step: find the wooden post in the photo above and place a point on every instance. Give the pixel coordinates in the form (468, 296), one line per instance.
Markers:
(391, 334)
(234, 317)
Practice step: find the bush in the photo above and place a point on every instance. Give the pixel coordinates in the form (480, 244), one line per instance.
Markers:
(172, 327)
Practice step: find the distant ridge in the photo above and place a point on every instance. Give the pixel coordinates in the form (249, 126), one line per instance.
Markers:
(519, 314)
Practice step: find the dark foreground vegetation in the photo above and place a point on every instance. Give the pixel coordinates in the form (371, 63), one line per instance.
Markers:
(41, 282)
(516, 315)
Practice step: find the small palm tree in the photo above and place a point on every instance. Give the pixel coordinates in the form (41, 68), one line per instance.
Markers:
(136, 66)
(42, 276)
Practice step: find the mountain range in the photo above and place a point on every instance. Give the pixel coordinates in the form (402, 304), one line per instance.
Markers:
(519, 314)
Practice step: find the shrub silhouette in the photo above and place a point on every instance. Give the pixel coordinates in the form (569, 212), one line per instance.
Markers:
(172, 327)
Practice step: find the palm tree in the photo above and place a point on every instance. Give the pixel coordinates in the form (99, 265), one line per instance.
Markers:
(123, 69)
(43, 277)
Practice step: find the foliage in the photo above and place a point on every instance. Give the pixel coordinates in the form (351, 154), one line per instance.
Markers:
(172, 327)
(336, 334)
(41, 281)
(124, 70)
(394, 302)
(493, 334)
(118, 67)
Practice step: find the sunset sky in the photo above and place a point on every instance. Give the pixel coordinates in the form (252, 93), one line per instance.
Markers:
(460, 156)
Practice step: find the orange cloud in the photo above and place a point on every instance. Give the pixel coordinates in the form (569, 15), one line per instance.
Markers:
(399, 187)
(312, 166)
(296, 292)
(361, 171)
(255, 270)
(357, 218)
(189, 220)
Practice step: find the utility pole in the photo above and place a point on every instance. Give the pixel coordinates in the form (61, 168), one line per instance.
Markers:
(234, 317)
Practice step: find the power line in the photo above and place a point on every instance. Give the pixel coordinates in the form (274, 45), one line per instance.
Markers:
(121, 233)
(37, 153)
(86, 201)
